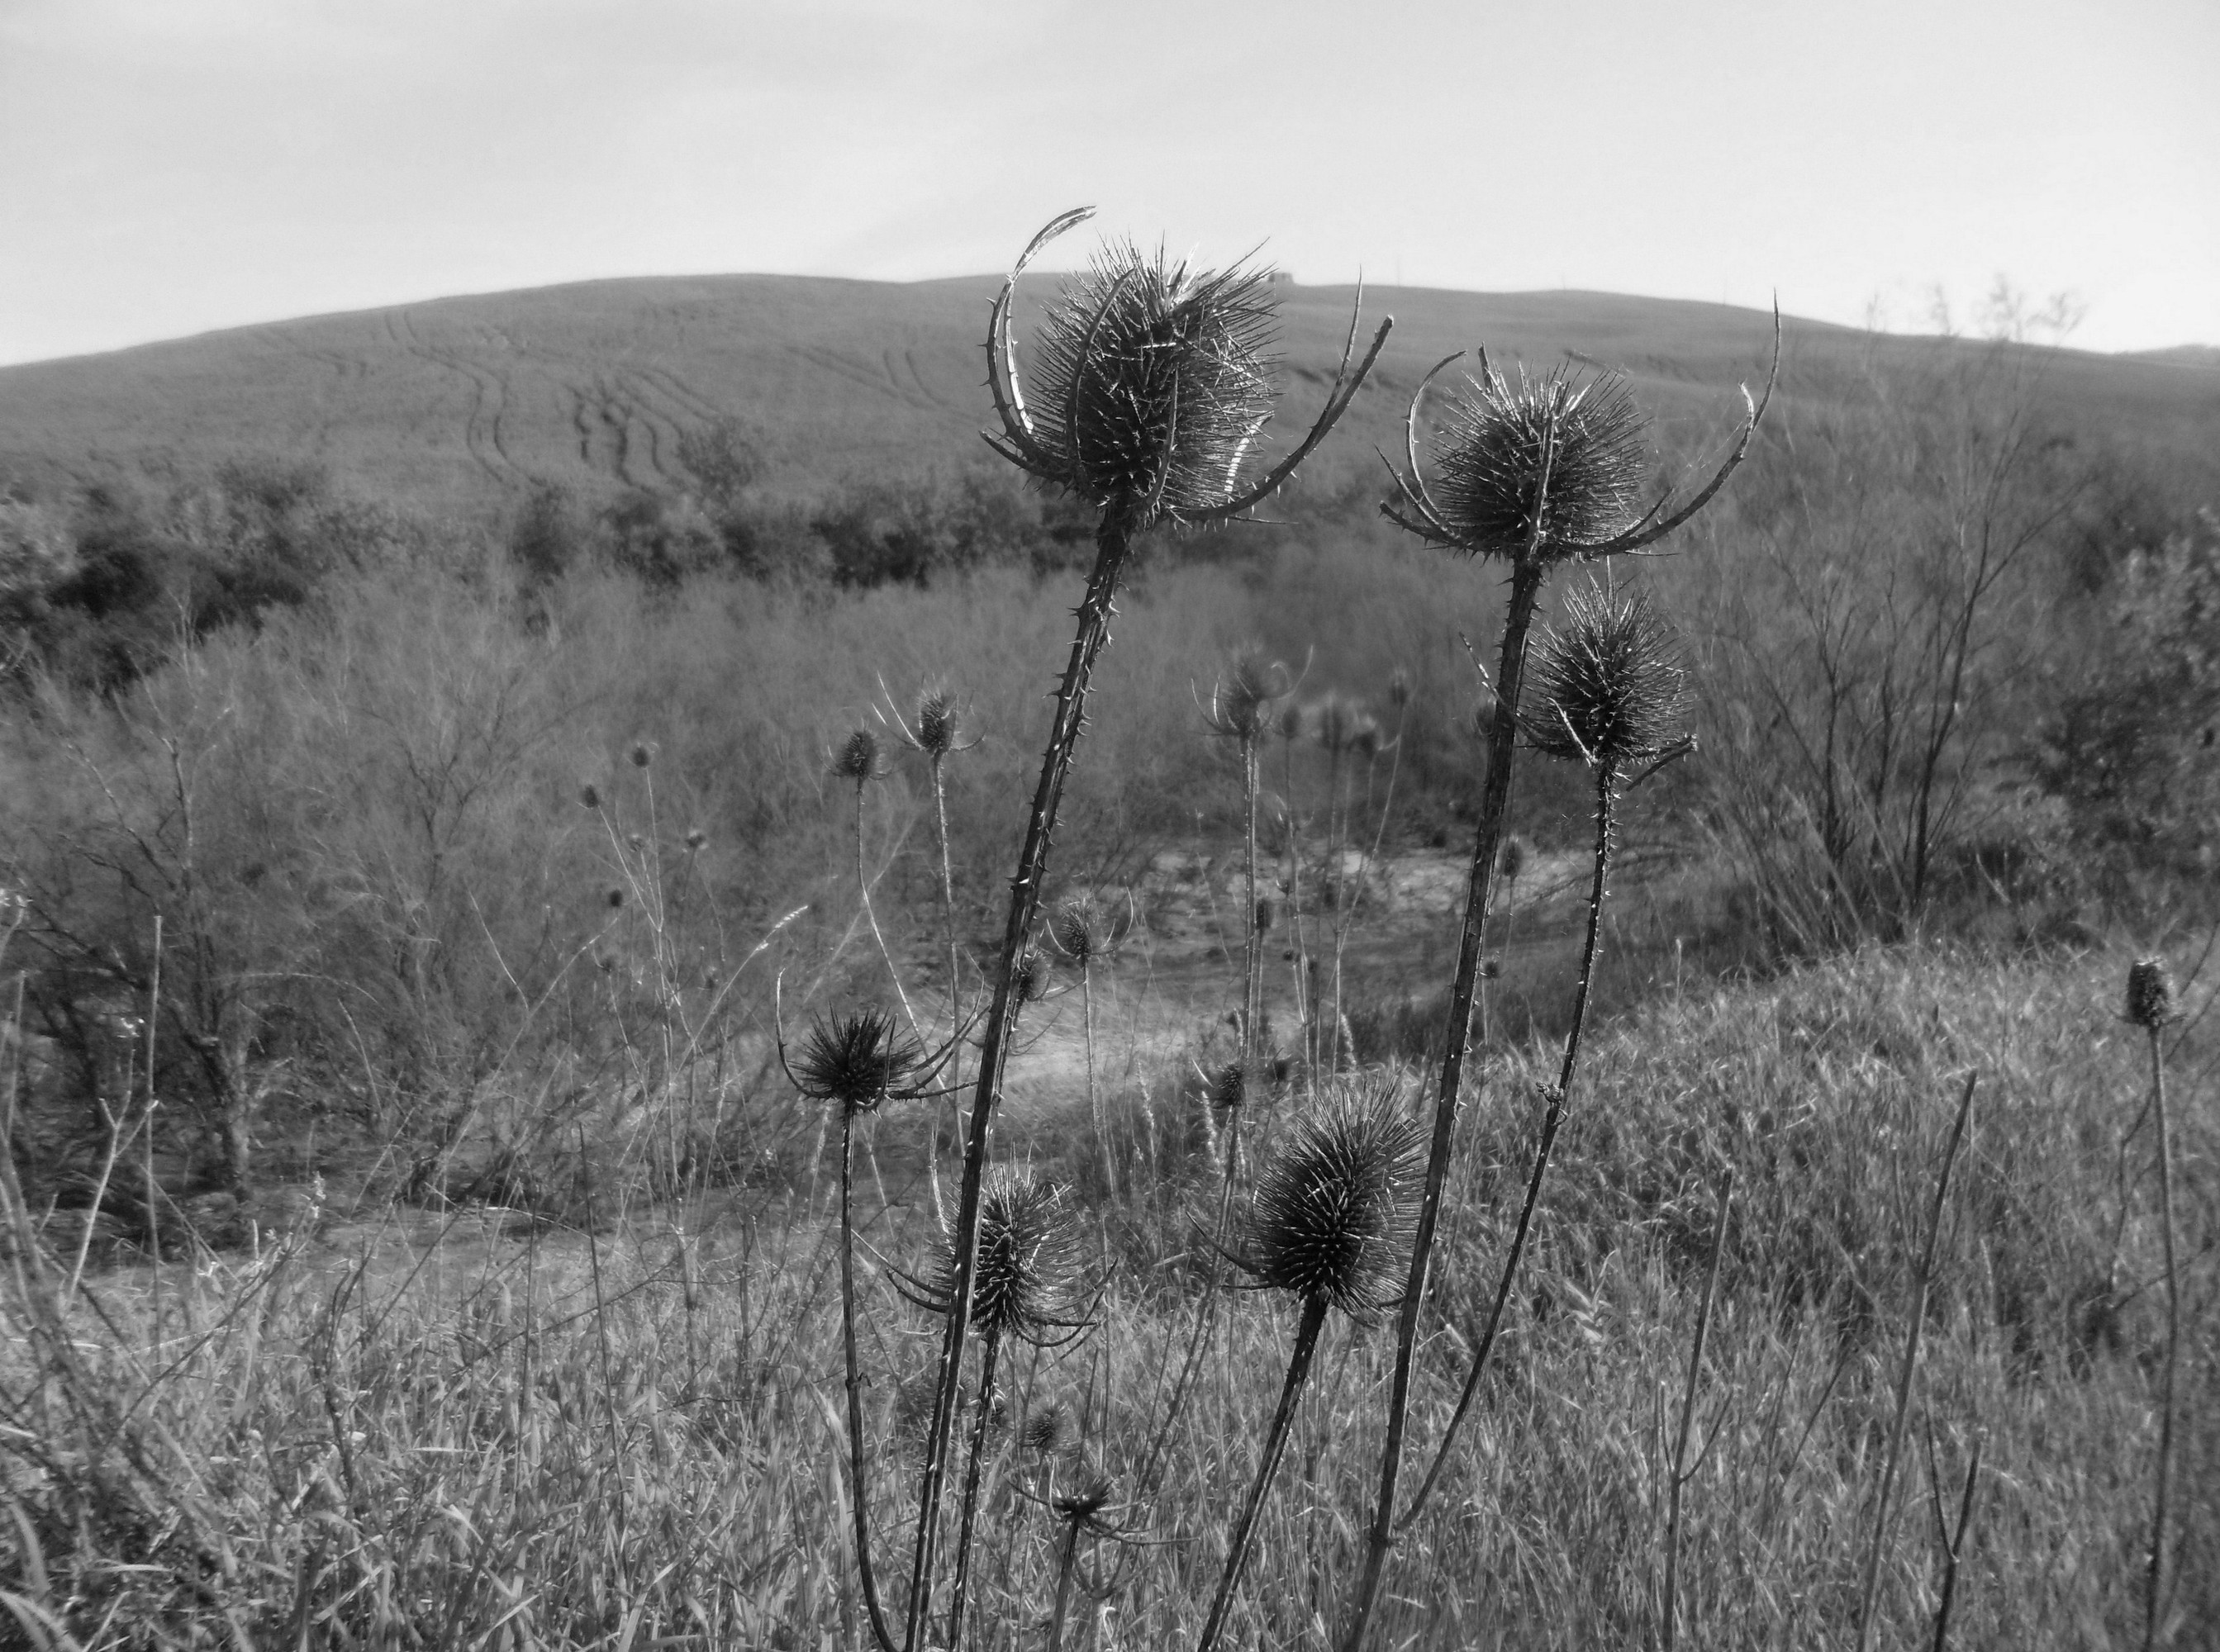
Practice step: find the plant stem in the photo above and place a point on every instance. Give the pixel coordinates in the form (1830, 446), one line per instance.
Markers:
(1064, 1565)
(863, 888)
(1957, 1548)
(858, 1488)
(955, 976)
(1688, 1413)
(2173, 1347)
(1112, 541)
(1276, 1445)
(989, 1349)
(1527, 579)
(1606, 793)
(1910, 1365)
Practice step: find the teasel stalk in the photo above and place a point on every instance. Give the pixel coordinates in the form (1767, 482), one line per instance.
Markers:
(2150, 1006)
(1536, 473)
(859, 761)
(1331, 1217)
(1680, 1471)
(1027, 1285)
(1081, 935)
(858, 1062)
(1609, 693)
(1153, 386)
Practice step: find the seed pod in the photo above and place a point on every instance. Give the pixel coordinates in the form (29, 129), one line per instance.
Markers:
(590, 795)
(2150, 992)
(643, 753)
(1025, 1283)
(857, 1061)
(1569, 443)
(1080, 931)
(1335, 1208)
(1607, 690)
(859, 758)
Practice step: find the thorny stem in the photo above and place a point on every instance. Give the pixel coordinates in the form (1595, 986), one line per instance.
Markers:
(1526, 578)
(1063, 1570)
(955, 977)
(1606, 793)
(858, 1488)
(986, 1411)
(1276, 1445)
(2173, 1347)
(1688, 1413)
(1910, 1366)
(1112, 541)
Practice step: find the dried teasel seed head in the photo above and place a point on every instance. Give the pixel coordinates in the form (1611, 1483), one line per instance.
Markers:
(859, 758)
(1241, 707)
(1029, 977)
(1264, 915)
(1080, 930)
(643, 753)
(1046, 1428)
(1150, 382)
(936, 729)
(615, 897)
(1334, 723)
(857, 1061)
(1086, 1502)
(1292, 721)
(1335, 1208)
(1025, 1280)
(2150, 992)
(1608, 690)
(635, 840)
(1491, 968)
(1568, 442)
(590, 795)
(697, 840)
(1229, 1087)
(1399, 689)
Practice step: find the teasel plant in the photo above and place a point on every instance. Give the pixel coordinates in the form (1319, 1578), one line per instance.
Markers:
(1028, 1287)
(1240, 710)
(2150, 1005)
(1609, 694)
(1329, 1226)
(1536, 473)
(1151, 385)
(857, 1062)
(1081, 932)
(860, 760)
(934, 728)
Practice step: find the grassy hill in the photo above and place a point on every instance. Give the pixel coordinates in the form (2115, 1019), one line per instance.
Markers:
(465, 403)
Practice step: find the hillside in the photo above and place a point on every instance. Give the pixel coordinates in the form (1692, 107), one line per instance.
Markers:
(464, 403)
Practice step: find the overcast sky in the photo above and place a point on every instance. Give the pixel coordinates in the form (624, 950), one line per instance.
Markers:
(168, 166)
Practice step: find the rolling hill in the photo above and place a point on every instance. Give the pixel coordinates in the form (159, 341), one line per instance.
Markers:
(464, 404)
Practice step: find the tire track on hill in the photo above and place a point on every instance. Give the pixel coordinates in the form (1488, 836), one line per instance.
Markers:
(880, 383)
(481, 428)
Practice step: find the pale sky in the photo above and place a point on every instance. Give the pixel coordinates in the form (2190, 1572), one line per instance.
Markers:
(167, 167)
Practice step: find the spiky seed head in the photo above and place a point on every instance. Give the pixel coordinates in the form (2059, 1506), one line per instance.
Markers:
(1369, 741)
(1264, 915)
(1512, 860)
(1491, 968)
(697, 840)
(1500, 439)
(614, 897)
(635, 840)
(1608, 690)
(1025, 1281)
(2150, 992)
(1087, 1500)
(1293, 720)
(936, 731)
(1045, 1429)
(1399, 689)
(1150, 382)
(856, 1060)
(1229, 1087)
(643, 753)
(1030, 976)
(1080, 931)
(1335, 1208)
(1334, 722)
(859, 758)
(590, 795)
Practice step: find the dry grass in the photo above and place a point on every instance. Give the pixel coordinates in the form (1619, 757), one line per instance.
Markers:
(631, 1438)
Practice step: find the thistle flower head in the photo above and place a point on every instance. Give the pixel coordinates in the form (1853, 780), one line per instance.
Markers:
(1025, 1283)
(1087, 1501)
(1608, 690)
(1045, 1429)
(935, 726)
(1334, 1209)
(1549, 465)
(1151, 383)
(1229, 1087)
(1080, 930)
(856, 1060)
(859, 758)
(590, 795)
(2150, 992)
(643, 753)
(1029, 977)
